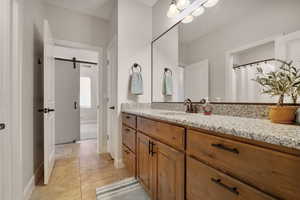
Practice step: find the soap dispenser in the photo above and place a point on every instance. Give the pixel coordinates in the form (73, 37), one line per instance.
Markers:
(207, 108)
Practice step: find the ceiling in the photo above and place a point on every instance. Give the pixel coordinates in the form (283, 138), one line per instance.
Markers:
(97, 8)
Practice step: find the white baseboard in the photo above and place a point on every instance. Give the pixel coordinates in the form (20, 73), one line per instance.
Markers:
(29, 188)
(88, 122)
(119, 163)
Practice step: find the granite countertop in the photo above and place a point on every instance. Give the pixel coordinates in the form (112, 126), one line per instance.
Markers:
(255, 129)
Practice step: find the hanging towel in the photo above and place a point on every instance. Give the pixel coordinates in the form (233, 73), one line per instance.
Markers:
(167, 84)
(137, 83)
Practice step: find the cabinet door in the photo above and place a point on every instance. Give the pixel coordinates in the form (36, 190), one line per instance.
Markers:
(168, 172)
(144, 161)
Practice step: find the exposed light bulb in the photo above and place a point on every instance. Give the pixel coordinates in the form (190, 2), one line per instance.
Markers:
(173, 11)
(210, 3)
(188, 19)
(199, 11)
(182, 4)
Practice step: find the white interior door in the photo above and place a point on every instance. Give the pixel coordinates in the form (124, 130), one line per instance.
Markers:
(67, 114)
(196, 81)
(112, 96)
(5, 130)
(288, 48)
(49, 103)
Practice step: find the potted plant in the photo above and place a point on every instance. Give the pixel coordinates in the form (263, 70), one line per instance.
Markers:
(283, 82)
(293, 75)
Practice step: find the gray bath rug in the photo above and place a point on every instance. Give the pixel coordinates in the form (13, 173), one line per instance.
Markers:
(128, 189)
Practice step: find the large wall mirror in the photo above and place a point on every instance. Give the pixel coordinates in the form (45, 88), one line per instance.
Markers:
(216, 55)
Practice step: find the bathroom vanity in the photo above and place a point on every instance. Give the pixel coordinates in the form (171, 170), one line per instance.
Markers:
(176, 155)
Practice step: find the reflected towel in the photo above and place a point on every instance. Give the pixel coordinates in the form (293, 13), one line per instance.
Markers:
(137, 83)
(167, 85)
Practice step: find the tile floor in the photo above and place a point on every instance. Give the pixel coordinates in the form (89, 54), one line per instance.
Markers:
(78, 171)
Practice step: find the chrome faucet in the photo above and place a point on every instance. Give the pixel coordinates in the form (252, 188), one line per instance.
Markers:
(190, 108)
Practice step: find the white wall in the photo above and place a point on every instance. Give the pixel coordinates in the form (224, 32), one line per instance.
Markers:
(89, 115)
(73, 26)
(134, 45)
(32, 132)
(279, 17)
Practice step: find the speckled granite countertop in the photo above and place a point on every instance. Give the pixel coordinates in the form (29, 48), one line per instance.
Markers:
(256, 129)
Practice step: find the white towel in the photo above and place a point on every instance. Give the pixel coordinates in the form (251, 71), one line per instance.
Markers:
(167, 85)
(137, 83)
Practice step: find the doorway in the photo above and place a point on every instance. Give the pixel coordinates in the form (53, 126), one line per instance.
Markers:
(77, 94)
(88, 101)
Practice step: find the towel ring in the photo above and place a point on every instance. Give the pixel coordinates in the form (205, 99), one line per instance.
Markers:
(136, 66)
(168, 70)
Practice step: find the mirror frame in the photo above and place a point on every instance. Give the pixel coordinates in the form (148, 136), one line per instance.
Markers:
(212, 102)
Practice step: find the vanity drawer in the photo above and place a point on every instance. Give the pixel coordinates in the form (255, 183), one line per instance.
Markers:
(129, 120)
(204, 182)
(273, 172)
(167, 133)
(129, 138)
(129, 159)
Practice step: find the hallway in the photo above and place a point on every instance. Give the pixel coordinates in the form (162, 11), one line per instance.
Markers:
(78, 171)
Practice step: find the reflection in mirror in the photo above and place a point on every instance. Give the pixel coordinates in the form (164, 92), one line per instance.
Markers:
(215, 56)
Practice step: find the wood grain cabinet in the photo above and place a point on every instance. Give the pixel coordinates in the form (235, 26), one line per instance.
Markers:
(144, 167)
(129, 142)
(160, 169)
(273, 172)
(129, 138)
(174, 162)
(204, 182)
(168, 172)
(129, 160)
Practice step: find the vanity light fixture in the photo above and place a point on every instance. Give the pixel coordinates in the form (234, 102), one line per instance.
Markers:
(210, 3)
(188, 19)
(199, 11)
(183, 4)
(178, 6)
(173, 10)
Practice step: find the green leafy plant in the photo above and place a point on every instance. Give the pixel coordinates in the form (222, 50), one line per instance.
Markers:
(283, 82)
(293, 75)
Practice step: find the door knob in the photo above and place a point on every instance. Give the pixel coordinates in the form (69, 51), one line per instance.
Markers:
(46, 110)
(112, 107)
(75, 105)
(2, 126)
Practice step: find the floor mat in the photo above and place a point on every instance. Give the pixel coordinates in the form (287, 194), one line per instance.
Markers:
(128, 189)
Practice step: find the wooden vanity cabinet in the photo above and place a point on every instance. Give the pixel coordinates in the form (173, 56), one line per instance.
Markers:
(177, 163)
(160, 166)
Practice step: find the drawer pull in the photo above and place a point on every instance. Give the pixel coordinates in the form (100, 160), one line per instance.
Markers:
(152, 148)
(127, 117)
(231, 189)
(223, 147)
(127, 129)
